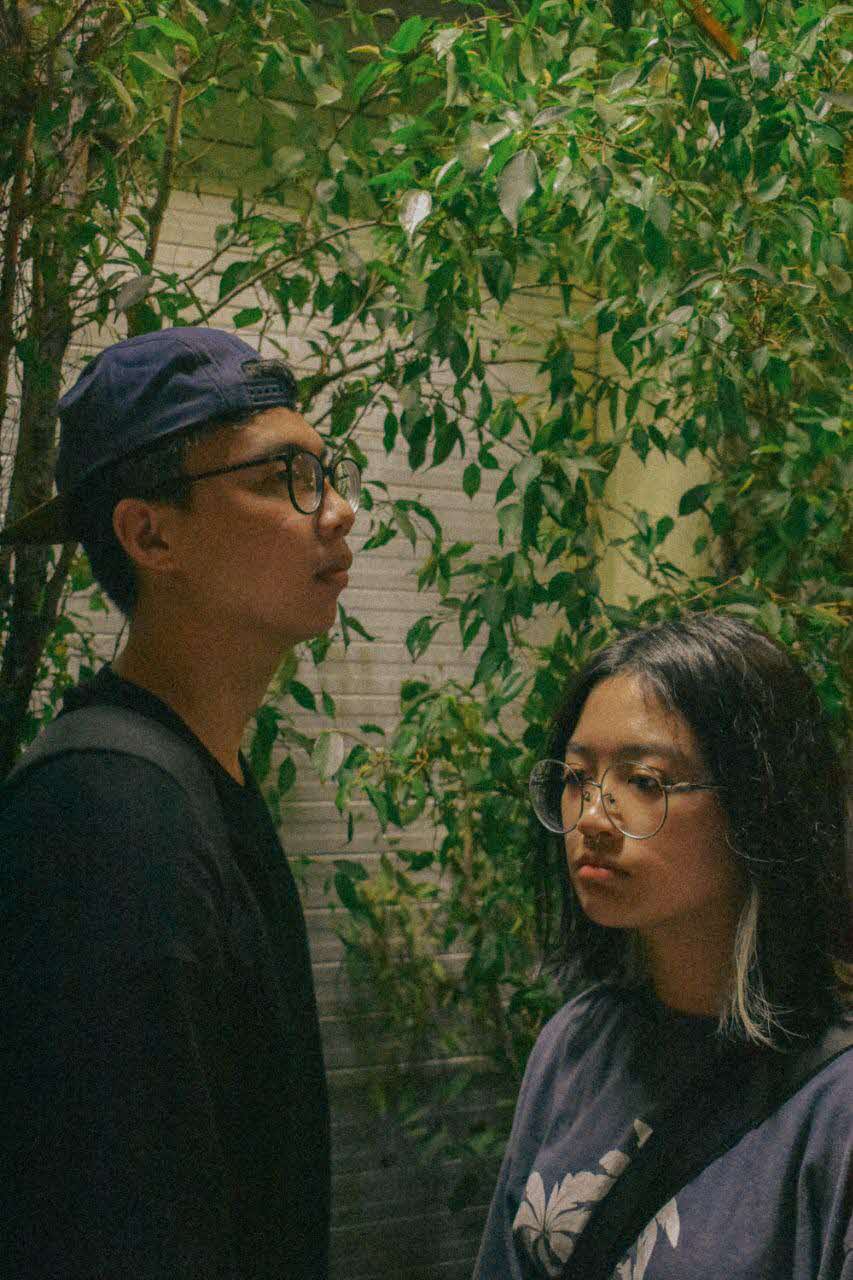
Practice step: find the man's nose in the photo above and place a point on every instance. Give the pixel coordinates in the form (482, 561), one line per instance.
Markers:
(335, 514)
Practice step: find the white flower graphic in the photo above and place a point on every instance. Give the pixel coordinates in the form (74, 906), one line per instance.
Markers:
(549, 1229)
(635, 1269)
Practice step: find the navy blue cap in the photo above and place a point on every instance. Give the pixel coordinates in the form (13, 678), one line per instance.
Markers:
(138, 392)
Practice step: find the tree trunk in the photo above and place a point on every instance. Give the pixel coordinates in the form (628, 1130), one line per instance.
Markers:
(35, 595)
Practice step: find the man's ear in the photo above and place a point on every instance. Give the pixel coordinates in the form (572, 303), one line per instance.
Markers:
(144, 531)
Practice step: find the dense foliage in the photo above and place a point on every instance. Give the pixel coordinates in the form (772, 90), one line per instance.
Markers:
(671, 194)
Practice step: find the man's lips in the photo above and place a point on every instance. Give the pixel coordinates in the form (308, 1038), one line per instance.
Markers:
(335, 570)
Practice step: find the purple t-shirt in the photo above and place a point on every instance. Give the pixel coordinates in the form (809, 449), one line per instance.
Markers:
(776, 1206)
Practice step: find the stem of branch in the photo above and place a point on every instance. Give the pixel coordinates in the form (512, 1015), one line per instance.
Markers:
(714, 30)
(11, 250)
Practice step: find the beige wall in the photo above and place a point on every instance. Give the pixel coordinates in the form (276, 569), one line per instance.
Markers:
(390, 1214)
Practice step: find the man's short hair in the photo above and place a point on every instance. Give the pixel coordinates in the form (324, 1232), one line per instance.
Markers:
(156, 474)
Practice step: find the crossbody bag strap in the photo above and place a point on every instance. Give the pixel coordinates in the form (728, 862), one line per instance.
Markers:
(118, 729)
(685, 1139)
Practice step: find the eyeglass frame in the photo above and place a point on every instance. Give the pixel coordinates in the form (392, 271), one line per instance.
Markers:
(682, 788)
(285, 454)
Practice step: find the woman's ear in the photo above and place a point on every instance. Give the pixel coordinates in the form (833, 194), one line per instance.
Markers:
(143, 529)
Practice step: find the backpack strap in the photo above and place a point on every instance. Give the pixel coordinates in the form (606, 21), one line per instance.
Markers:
(117, 729)
(686, 1137)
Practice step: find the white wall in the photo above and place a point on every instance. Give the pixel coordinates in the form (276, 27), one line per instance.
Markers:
(390, 1216)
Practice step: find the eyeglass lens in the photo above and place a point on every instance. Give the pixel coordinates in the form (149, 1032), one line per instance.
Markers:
(307, 481)
(631, 795)
(346, 478)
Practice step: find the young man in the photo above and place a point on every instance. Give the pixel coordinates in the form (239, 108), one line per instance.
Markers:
(166, 1106)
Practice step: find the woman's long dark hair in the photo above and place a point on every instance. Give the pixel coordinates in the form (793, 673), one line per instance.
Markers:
(766, 742)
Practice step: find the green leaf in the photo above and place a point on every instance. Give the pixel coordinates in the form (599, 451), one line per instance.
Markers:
(516, 184)
(404, 524)
(249, 315)
(625, 80)
(601, 181)
(527, 470)
(303, 695)
(415, 206)
(119, 90)
(328, 754)
(409, 35)
(660, 213)
(419, 636)
(286, 159)
(385, 533)
(772, 188)
(171, 30)
(286, 775)
(656, 246)
(471, 479)
(731, 405)
(158, 64)
(694, 499)
(234, 275)
(355, 870)
(326, 94)
(348, 893)
(492, 605)
(838, 278)
(498, 276)
(263, 740)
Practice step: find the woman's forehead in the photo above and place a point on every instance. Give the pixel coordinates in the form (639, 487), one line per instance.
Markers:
(623, 712)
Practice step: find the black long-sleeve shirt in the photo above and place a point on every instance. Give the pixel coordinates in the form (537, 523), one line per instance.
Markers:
(164, 1102)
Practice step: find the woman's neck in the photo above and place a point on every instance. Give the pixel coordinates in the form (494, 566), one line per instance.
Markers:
(691, 971)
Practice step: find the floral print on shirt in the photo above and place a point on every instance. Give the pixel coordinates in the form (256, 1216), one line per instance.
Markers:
(547, 1227)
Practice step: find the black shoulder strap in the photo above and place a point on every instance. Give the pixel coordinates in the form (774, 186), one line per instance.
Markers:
(109, 728)
(685, 1139)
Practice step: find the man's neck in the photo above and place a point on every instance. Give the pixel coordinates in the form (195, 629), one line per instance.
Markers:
(213, 682)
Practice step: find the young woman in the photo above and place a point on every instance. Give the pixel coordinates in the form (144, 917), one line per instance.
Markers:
(695, 805)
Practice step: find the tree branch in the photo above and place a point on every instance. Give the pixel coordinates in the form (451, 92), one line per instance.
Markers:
(713, 29)
(11, 252)
(282, 262)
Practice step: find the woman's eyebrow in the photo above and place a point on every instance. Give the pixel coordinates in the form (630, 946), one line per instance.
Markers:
(638, 750)
(664, 750)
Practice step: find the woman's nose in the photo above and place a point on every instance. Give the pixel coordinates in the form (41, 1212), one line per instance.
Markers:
(594, 817)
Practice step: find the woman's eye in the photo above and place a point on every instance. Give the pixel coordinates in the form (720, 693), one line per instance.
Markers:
(576, 780)
(645, 783)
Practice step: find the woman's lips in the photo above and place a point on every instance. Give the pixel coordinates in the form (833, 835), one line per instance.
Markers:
(595, 871)
(591, 873)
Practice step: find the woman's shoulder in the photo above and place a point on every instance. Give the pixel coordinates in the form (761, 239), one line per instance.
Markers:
(586, 1020)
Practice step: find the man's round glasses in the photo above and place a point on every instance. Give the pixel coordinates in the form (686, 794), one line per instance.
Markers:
(633, 796)
(306, 476)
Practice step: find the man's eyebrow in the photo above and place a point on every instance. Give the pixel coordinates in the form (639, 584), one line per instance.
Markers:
(275, 451)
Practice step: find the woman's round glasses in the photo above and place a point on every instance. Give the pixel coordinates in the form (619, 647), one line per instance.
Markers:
(633, 796)
(306, 476)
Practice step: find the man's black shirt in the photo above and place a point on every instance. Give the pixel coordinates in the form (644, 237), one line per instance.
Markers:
(166, 1106)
